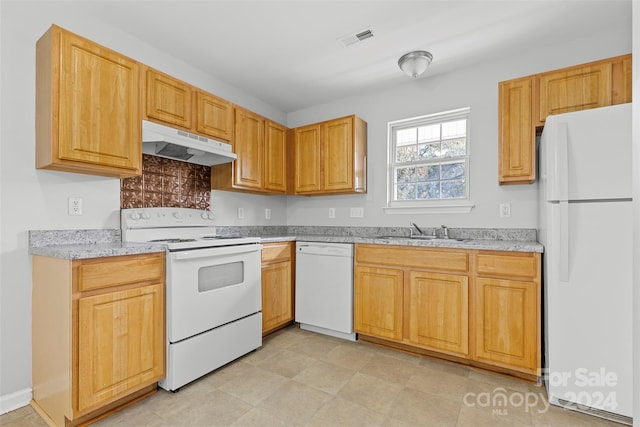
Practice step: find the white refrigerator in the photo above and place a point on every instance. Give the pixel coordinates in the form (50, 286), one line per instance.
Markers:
(585, 225)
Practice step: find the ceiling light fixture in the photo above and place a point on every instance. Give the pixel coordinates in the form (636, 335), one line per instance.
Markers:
(415, 63)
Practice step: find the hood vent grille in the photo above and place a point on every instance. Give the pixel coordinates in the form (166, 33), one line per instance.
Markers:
(361, 35)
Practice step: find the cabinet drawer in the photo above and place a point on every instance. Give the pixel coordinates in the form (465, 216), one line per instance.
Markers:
(103, 272)
(276, 252)
(437, 259)
(519, 265)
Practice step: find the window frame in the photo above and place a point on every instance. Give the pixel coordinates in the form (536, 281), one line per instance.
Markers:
(458, 205)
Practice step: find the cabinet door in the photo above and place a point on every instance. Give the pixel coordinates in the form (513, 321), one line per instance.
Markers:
(168, 100)
(506, 323)
(214, 116)
(438, 311)
(275, 160)
(575, 89)
(626, 79)
(277, 299)
(120, 343)
(378, 302)
(516, 138)
(248, 144)
(337, 140)
(99, 114)
(307, 178)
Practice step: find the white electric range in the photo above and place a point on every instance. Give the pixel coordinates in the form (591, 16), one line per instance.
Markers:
(213, 288)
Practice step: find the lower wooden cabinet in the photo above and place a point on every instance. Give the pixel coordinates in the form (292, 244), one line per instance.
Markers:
(477, 307)
(98, 334)
(439, 311)
(277, 285)
(378, 301)
(506, 322)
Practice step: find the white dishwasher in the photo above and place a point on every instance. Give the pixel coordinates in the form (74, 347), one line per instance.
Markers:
(324, 288)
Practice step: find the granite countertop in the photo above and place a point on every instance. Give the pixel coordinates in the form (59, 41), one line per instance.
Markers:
(80, 244)
(486, 244)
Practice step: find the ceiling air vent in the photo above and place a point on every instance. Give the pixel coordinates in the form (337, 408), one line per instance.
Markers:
(350, 39)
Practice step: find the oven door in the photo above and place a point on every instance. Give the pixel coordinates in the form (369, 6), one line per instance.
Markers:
(210, 287)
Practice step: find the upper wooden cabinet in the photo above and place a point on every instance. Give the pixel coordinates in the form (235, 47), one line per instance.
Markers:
(331, 157)
(261, 166)
(275, 157)
(249, 146)
(168, 100)
(525, 103)
(87, 107)
(574, 89)
(517, 137)
(307, 159)
(175, 103)
(214, 116)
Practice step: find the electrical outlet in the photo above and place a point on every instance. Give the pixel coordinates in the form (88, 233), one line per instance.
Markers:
(75, 205)
(356, 213)
(267, 213)
(332, 212)
(505, 210)
(240, 213)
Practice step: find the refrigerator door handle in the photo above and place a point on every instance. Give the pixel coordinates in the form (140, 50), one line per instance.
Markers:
(564, 242)
(561, 166)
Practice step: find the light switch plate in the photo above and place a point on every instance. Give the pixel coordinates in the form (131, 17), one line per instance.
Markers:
(240, 213)
(505, 210)
(332, 212)
(267, 213)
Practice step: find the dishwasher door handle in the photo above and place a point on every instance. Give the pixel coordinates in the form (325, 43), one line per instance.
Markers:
(323, 251)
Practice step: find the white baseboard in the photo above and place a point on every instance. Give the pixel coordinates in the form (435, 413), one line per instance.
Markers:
(18, 399)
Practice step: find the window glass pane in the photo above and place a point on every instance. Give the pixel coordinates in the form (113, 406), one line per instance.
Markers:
(453, 189)
(421, 173)
(433, 172)
(407, 153)
(454, 129)
(429, 151)
(405, 192)
(454, 147)
(429, 133)
(422, 190)
(453, 171)
(406, 136)
(433, 190)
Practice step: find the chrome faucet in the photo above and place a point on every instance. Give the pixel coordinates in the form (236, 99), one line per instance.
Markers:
(445, 232)
(417, 228)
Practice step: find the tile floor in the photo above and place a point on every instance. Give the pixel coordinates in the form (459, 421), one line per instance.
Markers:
(299, 378)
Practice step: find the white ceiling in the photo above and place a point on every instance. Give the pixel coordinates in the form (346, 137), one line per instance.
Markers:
(287, 52)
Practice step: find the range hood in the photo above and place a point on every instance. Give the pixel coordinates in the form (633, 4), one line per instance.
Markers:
(164, 141)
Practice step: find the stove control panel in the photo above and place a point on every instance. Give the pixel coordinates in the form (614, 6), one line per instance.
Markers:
(165, 217)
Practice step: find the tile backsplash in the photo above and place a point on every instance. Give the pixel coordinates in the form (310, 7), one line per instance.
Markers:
(167, 183)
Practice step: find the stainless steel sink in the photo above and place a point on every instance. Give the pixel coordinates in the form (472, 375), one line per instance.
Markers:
(423, 237)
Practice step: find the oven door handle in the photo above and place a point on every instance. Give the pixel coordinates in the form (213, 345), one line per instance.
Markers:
(215, 252)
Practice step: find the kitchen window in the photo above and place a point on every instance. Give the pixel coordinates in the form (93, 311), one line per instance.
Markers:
(429, 163)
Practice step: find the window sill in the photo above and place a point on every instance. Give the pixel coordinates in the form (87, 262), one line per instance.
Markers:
(440, 208)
